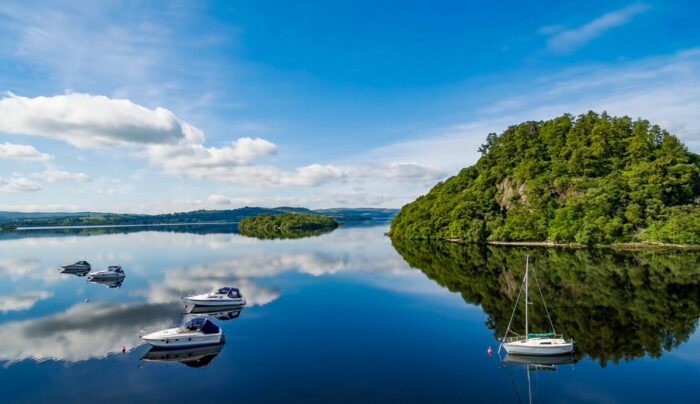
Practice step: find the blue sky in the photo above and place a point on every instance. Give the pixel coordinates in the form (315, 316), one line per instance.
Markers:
(186, 105)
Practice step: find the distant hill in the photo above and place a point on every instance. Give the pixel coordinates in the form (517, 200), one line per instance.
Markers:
(593, 179)
(18, 219)
(34, 215)
(348, 214)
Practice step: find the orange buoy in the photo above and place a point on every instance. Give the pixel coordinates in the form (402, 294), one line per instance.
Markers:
(489, 351)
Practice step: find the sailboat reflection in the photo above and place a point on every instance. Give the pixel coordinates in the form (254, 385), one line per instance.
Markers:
(110, 283)
(219, 312)
(195, 357)
(535, 363)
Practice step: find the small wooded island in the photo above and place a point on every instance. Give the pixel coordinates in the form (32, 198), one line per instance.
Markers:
(592, 179)
(286, 225)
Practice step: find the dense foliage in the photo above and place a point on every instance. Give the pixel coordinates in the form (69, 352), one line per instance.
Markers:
(286, 225)
(616, 304)
(593, 179)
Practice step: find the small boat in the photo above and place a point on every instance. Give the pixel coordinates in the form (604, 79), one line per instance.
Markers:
(112, 272)
(199, 331)
(542, 344)
(196, 357)
(227, 296)
(80, 268)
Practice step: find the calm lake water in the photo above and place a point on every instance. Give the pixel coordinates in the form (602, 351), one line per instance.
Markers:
(345, 316)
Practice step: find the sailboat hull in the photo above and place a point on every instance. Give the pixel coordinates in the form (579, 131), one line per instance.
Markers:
(539, 347)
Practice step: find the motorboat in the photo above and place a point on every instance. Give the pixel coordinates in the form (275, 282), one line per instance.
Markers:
(80, 268)
(227, 296)
(195, 357)
(219, 312)
(112, 272)
(110, 283)
(538, 344)
(199, 331)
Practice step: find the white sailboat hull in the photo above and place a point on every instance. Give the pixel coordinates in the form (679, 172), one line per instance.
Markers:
(539, 347)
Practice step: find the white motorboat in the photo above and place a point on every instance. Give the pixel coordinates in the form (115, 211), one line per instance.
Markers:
(112, 272)
(80, 268)
(227, 296)
(543, 344)
(195, 357)
(199, 331)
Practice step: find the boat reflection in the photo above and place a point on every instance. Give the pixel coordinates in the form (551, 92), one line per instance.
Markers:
(536, 361)
(110, 283)
(219, 312)
(74, 271)
(195, 357)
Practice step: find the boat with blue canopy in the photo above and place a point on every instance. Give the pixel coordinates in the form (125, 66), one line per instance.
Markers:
(225, 296)
(199, 331)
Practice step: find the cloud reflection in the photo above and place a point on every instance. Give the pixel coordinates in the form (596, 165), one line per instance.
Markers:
(22, 301)
(84, 331)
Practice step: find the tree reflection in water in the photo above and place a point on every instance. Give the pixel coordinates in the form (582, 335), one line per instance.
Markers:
(615, 304)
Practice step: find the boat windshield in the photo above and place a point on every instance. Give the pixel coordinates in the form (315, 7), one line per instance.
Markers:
(223, 291)
(201, 323)
(234, 293)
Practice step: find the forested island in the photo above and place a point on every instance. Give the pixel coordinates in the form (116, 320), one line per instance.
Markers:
(286, 225)
(592, 179)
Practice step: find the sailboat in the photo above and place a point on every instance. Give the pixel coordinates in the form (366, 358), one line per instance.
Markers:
(537, 344)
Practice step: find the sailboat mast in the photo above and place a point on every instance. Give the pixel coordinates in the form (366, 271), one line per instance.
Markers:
(527, 278)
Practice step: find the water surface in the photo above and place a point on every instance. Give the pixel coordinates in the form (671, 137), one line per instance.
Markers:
(344, 316)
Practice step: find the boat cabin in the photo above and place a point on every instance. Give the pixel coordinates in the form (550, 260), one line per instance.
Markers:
(115, 268)
(201, 324)
(230, 292)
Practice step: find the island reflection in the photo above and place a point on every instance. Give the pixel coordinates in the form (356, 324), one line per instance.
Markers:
(615, 304)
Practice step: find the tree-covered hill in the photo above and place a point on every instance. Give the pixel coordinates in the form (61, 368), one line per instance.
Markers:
(286, 225)
(591, 179)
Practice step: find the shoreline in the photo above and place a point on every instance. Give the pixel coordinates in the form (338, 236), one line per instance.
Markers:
(632, 246)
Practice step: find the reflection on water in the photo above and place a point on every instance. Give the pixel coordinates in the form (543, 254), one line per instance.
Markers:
(110, 283)
(223, 313)
(340, 317)
(615, 304)
(196, 357)
(83, 331)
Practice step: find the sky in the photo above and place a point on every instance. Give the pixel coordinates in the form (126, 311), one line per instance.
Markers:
(150, 107)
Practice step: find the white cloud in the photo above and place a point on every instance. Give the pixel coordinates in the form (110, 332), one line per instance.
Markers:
(22, 301)
(570, 40)
(18, 184)
(412, 172)
(86, 121)
(61, 176)
(662, 89)
(265, 176)
(22, 152)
